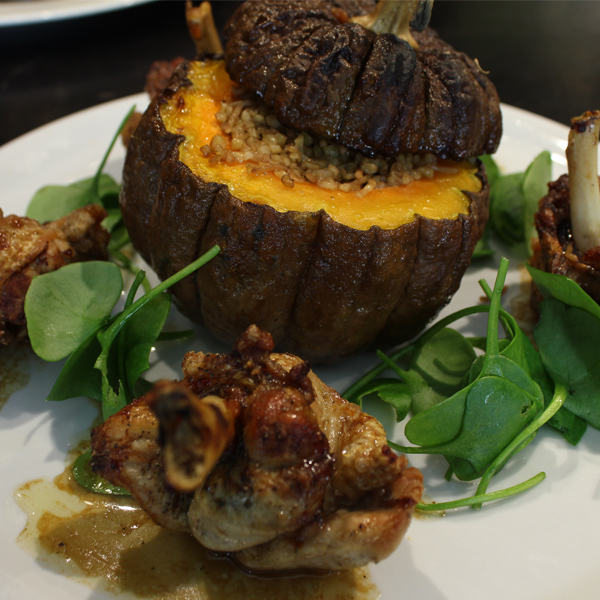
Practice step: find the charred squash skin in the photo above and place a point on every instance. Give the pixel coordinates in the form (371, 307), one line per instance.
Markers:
(371, 92)
(324, 290)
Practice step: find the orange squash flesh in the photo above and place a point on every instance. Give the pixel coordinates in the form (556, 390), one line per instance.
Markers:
(191, 113)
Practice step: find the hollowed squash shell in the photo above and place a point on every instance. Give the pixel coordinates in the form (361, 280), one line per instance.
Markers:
(323, 281)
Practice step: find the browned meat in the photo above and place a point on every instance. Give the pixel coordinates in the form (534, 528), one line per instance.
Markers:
(305, 481)
(28, 249)
(159, 74)
(556, 251)
(126, 452)
(568, 217)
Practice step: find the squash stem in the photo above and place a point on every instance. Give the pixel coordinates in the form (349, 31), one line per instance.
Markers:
(395, 16)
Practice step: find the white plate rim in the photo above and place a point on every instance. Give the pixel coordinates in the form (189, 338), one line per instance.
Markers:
(44, 11)
(464, 555)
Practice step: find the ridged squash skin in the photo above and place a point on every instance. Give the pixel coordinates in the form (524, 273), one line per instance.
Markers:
(369, 91)
(323, 290)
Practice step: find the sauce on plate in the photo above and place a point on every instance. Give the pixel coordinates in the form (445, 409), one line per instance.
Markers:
(15, 372)
(111, 544)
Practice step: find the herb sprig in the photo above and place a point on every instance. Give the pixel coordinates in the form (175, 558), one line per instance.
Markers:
(69, 314)
(478, 412)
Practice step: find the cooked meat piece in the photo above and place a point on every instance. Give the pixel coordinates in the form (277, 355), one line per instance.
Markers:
(276, 480)
(556, 251)
(159, 74)
(568, 217)
(346, 538)
(127, 453)
(28, 249)
(306, 480)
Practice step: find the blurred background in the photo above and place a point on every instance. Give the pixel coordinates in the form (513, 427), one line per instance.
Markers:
(543, 55)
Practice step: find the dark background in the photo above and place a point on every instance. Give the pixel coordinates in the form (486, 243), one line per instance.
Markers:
(543, 56)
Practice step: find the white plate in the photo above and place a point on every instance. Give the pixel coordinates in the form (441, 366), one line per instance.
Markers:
(539, 545)
(23, 12)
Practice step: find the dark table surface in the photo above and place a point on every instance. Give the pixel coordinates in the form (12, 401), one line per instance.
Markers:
(543, 56)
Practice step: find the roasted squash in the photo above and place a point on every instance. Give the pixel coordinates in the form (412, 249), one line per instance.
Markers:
(322, 71)
(325, 272)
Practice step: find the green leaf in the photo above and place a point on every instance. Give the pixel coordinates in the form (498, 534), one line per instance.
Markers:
(63, 307)
(507, 208)
(535, 187)
(495, 411)
(441, 363)
(522, 439)
(115, 395)
(85, 477)
(560, 287)
(112, 401)
(55, 201)
(570, 425)
(569, 342)
(78, 377)
(139, 335)
(439, 424)
(394, 392)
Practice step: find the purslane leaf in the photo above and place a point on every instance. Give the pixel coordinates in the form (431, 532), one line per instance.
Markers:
(90, 480)
(78, 377)
(63, 307)
(55, 201)
(443, 361)
(506, 208)
(535, 187)
(138, 336)
(394, 392)
(560, 287)
(569, 342)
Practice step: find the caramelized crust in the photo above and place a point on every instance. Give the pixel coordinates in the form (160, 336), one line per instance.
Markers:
(126, 451)
(28, 248)
(556, 251)
(306, 481)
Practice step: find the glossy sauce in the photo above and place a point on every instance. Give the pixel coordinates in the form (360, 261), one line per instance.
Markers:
(110, 544)
(15, 372)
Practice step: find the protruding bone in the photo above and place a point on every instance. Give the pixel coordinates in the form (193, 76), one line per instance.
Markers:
(397, 16)
(201, 26)
(194, 433)
(582, 158)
